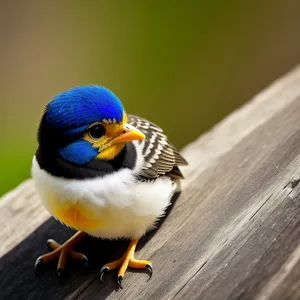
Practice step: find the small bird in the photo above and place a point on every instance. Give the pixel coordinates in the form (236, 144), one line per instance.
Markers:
(103, 172)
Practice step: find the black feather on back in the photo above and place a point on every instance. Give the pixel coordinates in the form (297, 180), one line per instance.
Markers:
(161, 157)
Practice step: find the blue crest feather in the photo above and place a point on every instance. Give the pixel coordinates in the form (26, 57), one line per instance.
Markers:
(81, 106)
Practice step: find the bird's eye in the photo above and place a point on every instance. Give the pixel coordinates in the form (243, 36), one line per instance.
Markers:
(96, 132)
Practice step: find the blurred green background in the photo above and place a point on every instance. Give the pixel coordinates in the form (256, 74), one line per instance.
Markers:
(182, 64)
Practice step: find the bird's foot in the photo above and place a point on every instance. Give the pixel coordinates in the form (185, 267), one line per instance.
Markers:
(60, 253)
(127, 260)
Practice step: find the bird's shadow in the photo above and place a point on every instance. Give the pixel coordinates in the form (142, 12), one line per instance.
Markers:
(17, 277)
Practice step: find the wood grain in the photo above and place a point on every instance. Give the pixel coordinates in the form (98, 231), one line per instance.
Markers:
(233, 234)
(21, 212)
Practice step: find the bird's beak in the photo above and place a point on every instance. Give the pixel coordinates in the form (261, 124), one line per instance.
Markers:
(128, 134)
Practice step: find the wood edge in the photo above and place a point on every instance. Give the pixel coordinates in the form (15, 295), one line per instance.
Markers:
(13, 194)
(242, 122)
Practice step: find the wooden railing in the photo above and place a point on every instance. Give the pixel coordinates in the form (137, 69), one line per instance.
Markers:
(234, 233)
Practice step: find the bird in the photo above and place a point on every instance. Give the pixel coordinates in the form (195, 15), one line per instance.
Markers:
(102, 172)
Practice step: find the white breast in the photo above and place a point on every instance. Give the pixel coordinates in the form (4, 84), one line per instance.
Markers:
(113, 206)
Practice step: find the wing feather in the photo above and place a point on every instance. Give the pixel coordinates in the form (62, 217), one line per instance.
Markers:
(161, 157)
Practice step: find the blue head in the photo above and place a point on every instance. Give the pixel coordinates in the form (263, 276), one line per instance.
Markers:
(84, 123)
(74, 110)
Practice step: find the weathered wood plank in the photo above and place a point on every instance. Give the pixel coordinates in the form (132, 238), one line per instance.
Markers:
(21, 212)
(233, 234)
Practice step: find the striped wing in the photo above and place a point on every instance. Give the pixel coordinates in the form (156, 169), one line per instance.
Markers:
(161, 157)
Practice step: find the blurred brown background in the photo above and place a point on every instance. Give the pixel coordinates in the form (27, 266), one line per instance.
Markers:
(184, 65)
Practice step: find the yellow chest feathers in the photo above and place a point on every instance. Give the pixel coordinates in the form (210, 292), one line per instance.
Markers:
(76, 215)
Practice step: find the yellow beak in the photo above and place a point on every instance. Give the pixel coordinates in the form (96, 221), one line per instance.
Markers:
(128, 134)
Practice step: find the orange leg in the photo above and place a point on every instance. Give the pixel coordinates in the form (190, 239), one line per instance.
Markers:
(127, 260)
(60, 252)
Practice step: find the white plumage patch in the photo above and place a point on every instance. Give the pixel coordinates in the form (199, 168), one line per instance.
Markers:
(113, 206)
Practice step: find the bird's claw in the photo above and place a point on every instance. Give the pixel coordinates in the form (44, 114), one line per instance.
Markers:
(61, 275)
(60, 252)
(85, 260)
(119, 282)
(102, 272)
(149, 271)
(37, 265)
(127, 260)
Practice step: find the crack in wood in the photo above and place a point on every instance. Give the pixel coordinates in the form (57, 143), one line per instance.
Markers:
(194, 275)
(225, 242)
(256, 212)
(292, 183)
(86, 287)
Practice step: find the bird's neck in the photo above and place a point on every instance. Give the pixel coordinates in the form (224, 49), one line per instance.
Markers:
(52, 163)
